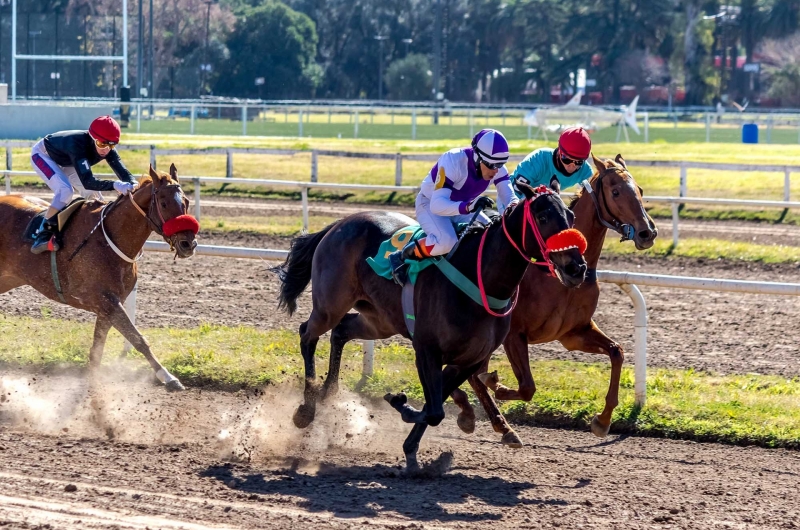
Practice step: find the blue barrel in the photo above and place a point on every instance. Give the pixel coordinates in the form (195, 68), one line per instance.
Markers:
(750, 133)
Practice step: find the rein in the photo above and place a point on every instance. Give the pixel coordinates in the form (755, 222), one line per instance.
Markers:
(626, 231)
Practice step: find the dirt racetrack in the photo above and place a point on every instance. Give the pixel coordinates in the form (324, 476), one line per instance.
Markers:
(220, 460)
(718, 332)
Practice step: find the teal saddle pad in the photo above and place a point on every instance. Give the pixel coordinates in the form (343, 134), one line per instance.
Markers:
(380, 263)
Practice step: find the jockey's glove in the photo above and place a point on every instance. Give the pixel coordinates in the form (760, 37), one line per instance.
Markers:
(124, 188)
(480, 203)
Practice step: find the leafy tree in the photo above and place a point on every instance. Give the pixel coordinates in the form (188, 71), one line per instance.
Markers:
(274, 42)
(408, 78)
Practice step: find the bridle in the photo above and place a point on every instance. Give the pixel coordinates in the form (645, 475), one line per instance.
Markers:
(161, 226)
(626, 231)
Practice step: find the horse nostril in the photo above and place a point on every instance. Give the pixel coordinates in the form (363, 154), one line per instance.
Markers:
(575, 270)
(646, 235)
(194, 245)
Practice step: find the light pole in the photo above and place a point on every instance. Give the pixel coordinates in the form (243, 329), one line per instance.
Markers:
(205, 67)
(380, 39)
(34, 34)
(407, 42)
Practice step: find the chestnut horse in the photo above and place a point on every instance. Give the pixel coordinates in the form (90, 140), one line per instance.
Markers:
(453, 335)
(547, 311)
(96, 267)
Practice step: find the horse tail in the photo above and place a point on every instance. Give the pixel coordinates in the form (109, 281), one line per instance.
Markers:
(295, 272)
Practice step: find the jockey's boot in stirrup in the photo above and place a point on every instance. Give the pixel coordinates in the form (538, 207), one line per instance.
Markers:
(397, 260)
(46, 236)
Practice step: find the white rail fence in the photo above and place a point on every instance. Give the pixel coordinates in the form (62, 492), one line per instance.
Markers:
(303, 187)
(627, 281)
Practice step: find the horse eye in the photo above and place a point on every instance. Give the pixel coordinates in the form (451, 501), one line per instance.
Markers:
(542, 219)
(615, 193)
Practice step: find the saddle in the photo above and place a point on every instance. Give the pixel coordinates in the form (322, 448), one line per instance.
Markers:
(63, 218)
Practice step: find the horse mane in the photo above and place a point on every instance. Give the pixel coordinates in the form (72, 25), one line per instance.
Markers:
(147, 179)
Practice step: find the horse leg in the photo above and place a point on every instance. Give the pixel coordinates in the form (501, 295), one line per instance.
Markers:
(591, 340)
(118, 318)
(101, 327)
(466, 418)
(499, 423)
(352, 326)
(516, 347)
(430, 376)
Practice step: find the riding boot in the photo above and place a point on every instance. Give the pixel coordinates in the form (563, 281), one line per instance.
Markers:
(397, 261)
(46, 236)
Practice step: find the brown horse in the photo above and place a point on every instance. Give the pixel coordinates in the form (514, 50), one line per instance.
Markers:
(453, 335)
(91, 274)
(547, 311)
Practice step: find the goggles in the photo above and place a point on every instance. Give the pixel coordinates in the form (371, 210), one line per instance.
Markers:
(492, 165)
(104, 145)
(567, 160)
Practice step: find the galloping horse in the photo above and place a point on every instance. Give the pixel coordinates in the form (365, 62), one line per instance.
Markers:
(451, 329)
(548, 311)
(97, 273)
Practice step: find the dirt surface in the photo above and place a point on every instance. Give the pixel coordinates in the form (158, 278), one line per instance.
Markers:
(718, 332)
(124, 454)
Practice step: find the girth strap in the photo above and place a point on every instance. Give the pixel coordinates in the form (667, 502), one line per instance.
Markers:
(56, 282)
(467, 287)
(408, 307)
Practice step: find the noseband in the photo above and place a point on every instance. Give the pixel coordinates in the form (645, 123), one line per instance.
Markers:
(167, 228)
(626, 231)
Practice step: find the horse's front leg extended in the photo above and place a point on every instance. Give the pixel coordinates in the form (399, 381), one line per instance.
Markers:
(499, 423)
(101, 327)
(430, 376)
(118, 318)
(591, 340)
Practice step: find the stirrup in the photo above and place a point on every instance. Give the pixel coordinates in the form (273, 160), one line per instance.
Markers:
(49, 245)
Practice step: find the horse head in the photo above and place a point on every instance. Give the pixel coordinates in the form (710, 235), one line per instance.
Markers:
(619, 203)
(167, 210)
(560, 246)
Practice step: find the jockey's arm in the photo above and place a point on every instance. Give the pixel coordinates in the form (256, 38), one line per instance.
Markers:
(118, 167)
(89, 181)
(442, 205)
(505, 192)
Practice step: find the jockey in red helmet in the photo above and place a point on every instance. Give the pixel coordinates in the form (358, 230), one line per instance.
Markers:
(558, 168)
(64, 161)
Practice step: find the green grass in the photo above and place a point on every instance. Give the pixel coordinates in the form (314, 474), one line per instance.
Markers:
(709, 249)
(748, 409)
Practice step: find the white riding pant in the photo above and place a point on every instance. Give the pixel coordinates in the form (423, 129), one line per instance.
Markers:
(62, 180)
(440, 231)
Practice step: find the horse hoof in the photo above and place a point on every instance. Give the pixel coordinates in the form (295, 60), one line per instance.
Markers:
(396, 400)
(510, 439)
(174, 386)
(466, 423)
(303, 416)
(491, 380)
(598, 429)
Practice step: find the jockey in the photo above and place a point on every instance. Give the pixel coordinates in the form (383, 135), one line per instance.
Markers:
(63, 160)
(453, 189)
(564, 166)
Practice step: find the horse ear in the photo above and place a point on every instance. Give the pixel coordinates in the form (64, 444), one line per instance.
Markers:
(525, 189)
(173, 172)
(155, 176)
(621, 161)
(599, 164)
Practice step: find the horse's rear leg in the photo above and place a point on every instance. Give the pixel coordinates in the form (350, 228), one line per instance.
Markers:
(516, 347)
(101, 327)
(119, 319)
(353, 326)
(591, 340)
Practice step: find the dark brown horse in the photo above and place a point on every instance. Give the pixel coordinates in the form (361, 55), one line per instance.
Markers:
(547, 311)
(92, 276)
(452, 331)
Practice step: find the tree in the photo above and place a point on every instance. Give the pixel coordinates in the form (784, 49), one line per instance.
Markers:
(408, 79)
(274, 42)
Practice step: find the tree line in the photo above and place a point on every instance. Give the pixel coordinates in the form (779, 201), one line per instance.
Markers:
(689, 51)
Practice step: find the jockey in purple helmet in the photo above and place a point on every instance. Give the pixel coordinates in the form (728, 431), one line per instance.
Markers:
(453, 189)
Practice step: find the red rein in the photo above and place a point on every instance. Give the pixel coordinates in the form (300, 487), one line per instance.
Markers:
(564, 240)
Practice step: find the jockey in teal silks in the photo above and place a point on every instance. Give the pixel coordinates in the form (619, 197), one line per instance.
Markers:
(558, 168)
(453, 189)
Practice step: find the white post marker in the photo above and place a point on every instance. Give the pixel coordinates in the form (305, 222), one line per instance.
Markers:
(196, 182)
(398, 169)
(314, 165)
(413, 124)
(368, 367)
(646, 128)
(684, 176)
(191, 119)
(355, 126)
(229, 163)
(244, 120)
(138, 117)
(674, 224)
(708, 127)
(304, 197)
(787, 180)
(300, 123)
(640, 343)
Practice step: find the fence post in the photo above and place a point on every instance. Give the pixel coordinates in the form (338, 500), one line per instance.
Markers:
(529, 132)
(304, 196)
(244, 120)
(639, 341)
(196, 198)
(398, 169)
(9, 167)
(355, 127)
(786, 184)
(229, 163)
(646, 128)
(369, 358)
(769, 128)
(130, 309)
(314, 165)
(138, 117)
(708, 127)
(329, 114)
(684, 172)
(674, 224)
(191, 119)
(153, 156)
(300, 123)
(471, 124)
(413, 124)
